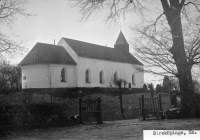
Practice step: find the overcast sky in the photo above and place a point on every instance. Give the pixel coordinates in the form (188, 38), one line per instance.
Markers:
(55, 19)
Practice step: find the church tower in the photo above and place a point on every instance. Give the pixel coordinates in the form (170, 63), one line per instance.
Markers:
(121, 43)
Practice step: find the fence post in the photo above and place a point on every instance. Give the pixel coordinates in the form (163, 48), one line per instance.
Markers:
(160, 102)
(80, 109)
(153, 103)
(143, 109)
(99, 121)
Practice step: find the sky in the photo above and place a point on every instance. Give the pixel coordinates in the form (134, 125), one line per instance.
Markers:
(54, 19)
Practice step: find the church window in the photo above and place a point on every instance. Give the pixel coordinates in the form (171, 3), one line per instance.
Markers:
(133, 79)
(101, 77)
(88, 76)
(24, 77)
(115, 77)
(64, 74)
(129, 85)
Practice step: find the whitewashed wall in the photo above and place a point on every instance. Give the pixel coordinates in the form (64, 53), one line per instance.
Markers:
(36, 76)
(124, 70)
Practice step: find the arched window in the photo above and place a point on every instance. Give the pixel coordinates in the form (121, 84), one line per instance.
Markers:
(129, 85)
(64, 75)
(88, 76)
(101, 77)
(115, 77)
(24, 77)
(133, 79)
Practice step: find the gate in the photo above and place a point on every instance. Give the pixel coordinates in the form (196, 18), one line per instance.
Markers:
(90, 110)
(150, 108)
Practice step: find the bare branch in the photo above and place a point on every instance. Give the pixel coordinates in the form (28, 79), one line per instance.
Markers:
(117, 8)
(9, 9)
(153, 47)
(194, 4)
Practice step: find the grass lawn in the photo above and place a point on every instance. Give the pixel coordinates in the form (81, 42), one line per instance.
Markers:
(112, 130)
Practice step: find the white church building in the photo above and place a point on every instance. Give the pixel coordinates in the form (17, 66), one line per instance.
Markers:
(76, 64)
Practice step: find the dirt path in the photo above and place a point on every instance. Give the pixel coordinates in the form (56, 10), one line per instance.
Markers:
(115, 130)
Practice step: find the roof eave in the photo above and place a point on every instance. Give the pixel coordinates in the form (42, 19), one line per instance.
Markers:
(21, 65)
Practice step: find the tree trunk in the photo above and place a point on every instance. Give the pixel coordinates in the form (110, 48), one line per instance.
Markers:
(172, 11)
(173, 15)
(121, 104)
(179, 55)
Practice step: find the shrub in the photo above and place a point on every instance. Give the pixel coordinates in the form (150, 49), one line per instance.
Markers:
(166, 84)
(144, 87)
(158, 88)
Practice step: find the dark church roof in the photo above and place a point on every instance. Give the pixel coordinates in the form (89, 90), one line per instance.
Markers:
(89, 50)
(47, 54)
(52, 54)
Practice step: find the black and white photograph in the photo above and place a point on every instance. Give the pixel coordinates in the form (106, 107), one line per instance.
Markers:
(99, 69)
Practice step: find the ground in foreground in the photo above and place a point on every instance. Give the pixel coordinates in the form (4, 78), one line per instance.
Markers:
(125, 129)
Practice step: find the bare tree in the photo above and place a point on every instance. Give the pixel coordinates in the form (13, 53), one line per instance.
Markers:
(153, 46)
(169, 11)
(49, 75)
(9, 9)
(118, 80)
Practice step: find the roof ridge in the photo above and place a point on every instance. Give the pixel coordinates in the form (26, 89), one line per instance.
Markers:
(87, 42)
(89, 50)
(47, 44)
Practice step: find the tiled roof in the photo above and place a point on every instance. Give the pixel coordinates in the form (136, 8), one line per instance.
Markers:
(47, 54)
(89, 50)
